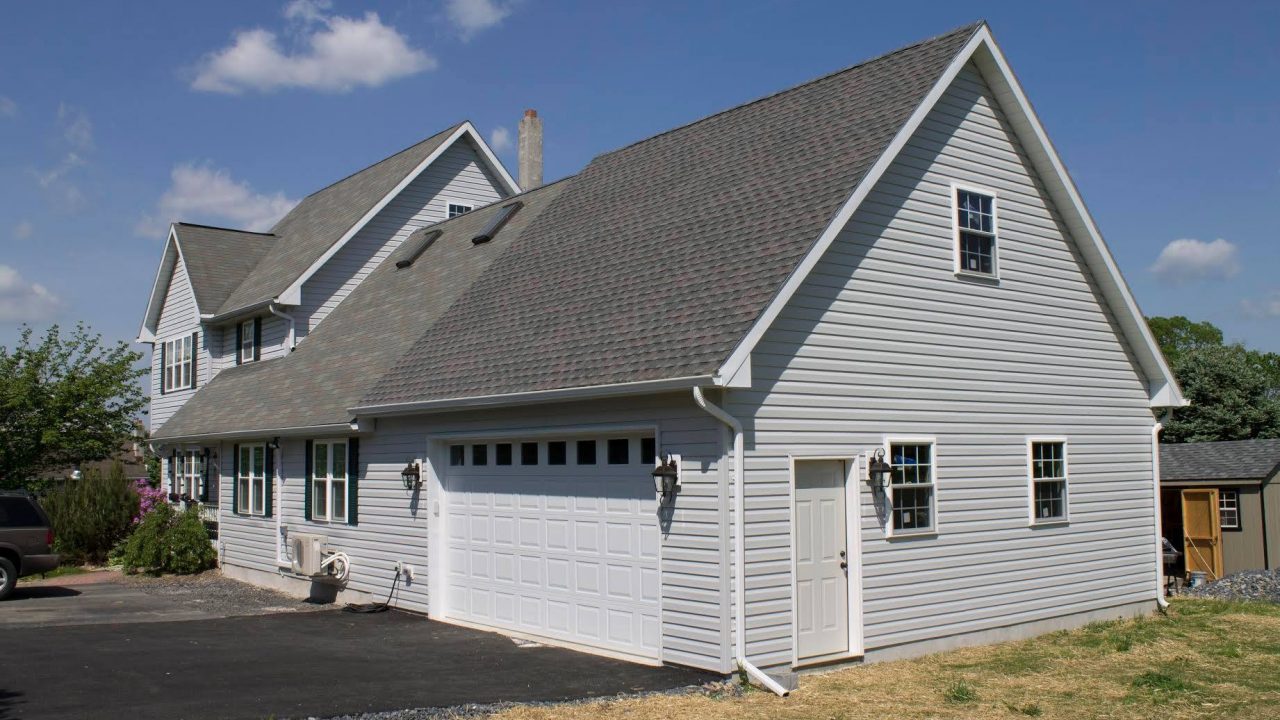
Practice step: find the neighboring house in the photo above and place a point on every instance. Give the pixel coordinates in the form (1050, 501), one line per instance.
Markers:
(1221, 505)
(224, 298)
(889, 261)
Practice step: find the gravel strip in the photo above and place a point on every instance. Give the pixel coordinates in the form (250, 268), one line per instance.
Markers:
(718, 688)
(219, 595)
(1261, 585)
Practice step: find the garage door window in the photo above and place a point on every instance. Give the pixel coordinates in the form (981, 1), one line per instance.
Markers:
(557, 452)
(586, 452)
(502, 453)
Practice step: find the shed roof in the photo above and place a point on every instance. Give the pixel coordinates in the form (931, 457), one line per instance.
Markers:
(1226, 460)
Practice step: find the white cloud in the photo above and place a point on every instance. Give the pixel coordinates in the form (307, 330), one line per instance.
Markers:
(199, 193)
(1265, 308)
(23, 230)
(327, 52)
(75, 140)
(23, 301)
(500, 139)
(8, 108)
(76, 128)
(472, 16)
(1187, 260)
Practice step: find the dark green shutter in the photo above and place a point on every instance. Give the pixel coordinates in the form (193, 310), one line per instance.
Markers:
(173, 471)
(239, 340)
(235, 478)
(163, 356)
(308, 465)
(353, 481)
(204, 477)
(257, 339)
(269, 483)
(195, 353)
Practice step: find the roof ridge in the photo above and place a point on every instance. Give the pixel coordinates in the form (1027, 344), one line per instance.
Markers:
(971, 27)
(219, 227)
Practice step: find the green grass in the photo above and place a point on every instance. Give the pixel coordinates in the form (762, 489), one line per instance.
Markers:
(62, 570)
(960, 692)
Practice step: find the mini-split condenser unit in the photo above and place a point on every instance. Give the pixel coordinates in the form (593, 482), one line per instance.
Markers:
(308, 552)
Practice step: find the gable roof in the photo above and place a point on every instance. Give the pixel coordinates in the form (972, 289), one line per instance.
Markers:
(328, 373)
(217, 259)
(1227, 460)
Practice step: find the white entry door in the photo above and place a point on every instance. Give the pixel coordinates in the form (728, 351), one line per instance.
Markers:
(556, 538)
(821, 556)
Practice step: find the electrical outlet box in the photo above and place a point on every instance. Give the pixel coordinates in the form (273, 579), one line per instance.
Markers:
(407, 570)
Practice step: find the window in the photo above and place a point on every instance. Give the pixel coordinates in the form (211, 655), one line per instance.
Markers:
(529, 453)
(456, 209)
(557, 451)
(179, 364)
(479, 454)
(648, 451)
(329, 481)
(251, 480)
(1229, 509)
(911, 491)
(586, 452)
(502, 454)
(457, 455)
(975, 232)
(188, 472)
(247, 337)
(1048, 480)
(17, 511)
(619, 451)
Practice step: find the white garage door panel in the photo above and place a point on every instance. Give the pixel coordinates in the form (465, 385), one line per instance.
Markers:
(569, 552)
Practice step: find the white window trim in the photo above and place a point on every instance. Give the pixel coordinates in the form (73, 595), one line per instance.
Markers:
(190, 473)
(1235, 493)
(956, 187)
(1032, 520)
(889, 442)
(251, 506)
(247, 340)
(454, 201)
(328, 516)
(183, 341)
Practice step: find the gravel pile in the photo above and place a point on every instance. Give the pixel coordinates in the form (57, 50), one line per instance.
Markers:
(1248, 585)
(212, 592)
(719, 688)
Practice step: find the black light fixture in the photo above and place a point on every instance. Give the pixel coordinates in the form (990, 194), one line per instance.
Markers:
(878, 471)
(274, 444)
(666, 477)
(411, 475)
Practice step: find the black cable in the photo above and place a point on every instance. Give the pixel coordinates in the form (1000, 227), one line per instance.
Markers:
(374, 607)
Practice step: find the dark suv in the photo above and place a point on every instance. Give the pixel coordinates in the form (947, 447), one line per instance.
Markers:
(26, 539)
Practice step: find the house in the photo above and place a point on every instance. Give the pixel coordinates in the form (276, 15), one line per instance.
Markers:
(893, 380)
(1220, 503)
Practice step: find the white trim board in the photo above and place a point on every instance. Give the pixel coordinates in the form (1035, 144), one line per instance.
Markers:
(981, 49)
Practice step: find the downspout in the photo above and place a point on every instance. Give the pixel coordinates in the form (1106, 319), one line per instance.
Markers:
(272, 308)
(1155, 484)
(740, 544)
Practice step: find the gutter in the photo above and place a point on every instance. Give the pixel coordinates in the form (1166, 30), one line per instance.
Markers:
(274, 310)
(1155, 483)
(231, 314)
(740, 544)
(298, 431)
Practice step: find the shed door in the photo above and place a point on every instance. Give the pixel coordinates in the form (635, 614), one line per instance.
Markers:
(821, 558)
(556, 538)
(1202, 532)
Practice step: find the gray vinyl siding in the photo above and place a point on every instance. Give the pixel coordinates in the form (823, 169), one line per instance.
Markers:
(457, 175)
(883, 339)
(178, 317)
(393, 527)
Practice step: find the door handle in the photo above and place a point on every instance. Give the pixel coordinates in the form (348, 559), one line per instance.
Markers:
(844, 565)
(842, 554)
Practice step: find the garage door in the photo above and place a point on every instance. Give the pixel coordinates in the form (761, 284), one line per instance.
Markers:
(556, 538)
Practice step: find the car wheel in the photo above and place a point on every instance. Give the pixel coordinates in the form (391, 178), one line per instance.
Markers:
(8, 577)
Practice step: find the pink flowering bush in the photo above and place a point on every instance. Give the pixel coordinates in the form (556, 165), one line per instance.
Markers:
(149, 498)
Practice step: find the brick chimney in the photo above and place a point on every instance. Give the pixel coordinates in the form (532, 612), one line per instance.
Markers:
(530, 150)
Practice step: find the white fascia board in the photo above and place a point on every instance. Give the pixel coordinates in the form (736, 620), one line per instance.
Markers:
(160, 287)
(982, 49)
(285, 432)
(292, 295)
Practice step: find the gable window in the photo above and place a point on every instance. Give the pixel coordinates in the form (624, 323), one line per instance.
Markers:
(456, 209)
(249, 341)
(1229, 509)
(178, 360)
(329, 481)
(251, 480)
(911, 487)
(975, 232)
(1048, 460)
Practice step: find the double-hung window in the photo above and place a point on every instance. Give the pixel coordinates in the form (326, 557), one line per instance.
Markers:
(179, 364)
(251, 480)
(1229, 509)
(912, 498)
(329, 480)
(975, 232)
(190, 470)
(456, 209)
(1048, 459)
(248, 339)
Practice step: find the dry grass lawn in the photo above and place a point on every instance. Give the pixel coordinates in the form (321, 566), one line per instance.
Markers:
(1206, 659)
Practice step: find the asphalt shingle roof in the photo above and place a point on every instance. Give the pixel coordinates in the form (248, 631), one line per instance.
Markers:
(362, 336)
(1227, 460)
(218, 260)
(661, 255)
(320, 220)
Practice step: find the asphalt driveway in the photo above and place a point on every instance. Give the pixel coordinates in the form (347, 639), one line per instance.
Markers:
(284, 665)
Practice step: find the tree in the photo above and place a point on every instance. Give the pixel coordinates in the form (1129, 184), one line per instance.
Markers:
(1234, 391)
(65, 401)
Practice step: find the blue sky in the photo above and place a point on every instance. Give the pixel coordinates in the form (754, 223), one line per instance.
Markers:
(115, 119)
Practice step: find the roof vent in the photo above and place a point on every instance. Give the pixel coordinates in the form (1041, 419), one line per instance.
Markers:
(496, 222)
(417, 244)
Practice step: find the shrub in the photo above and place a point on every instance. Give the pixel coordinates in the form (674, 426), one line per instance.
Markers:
(167, 541)
(150, 497)
(92, 514)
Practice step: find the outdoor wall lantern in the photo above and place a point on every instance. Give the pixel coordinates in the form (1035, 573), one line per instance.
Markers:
(411, 475)
(666, 477)
(878, 471)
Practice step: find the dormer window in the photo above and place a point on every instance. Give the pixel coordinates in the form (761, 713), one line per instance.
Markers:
(975, 218)
(456, 209)
(249, 341)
